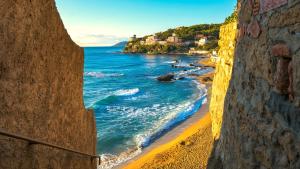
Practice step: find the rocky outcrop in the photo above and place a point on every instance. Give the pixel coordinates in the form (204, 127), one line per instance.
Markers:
(41, 89)
(222, 75)
(261, 118)
(166, 78)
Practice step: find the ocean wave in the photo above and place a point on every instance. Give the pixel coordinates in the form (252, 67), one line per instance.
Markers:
(173, 116)
(135, 98)
(179, 114)
(183, 65)
(171, 121)
(112, 96)
(170, 62)
(102, 75)
(126, 92)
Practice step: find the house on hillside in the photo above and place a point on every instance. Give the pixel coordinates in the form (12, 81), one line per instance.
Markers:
(152, 40)
(202, 41)
(142, 42)
(133, 38)
(162, 42)
(174, 39)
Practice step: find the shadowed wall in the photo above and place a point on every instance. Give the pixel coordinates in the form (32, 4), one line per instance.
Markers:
(41, 73)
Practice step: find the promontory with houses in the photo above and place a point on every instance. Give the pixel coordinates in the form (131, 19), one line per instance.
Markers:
(197, 39)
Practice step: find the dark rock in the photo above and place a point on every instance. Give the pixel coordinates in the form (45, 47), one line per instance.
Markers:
(166, 78)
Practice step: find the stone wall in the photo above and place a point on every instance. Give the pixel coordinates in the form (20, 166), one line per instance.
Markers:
(261, 120)
(41, 89)
(222, 75)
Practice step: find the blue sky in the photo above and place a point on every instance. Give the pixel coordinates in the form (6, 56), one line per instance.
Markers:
(106, 22)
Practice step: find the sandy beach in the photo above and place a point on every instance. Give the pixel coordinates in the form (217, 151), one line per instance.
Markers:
(189, 149)
(188, 143)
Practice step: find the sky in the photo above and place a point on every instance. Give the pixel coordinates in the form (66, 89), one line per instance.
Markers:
(106, 22)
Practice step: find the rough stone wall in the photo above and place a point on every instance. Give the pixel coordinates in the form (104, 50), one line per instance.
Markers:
(41, 89)
(261, 121)
(222, 75)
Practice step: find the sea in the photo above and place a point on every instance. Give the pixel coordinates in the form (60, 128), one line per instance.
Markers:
(132, 108)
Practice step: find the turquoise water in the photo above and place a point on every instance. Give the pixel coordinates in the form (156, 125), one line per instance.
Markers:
(132, 108)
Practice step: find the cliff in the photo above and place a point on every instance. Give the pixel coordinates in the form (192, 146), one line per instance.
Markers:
(41, 73)
(222, 75)
(261, 117)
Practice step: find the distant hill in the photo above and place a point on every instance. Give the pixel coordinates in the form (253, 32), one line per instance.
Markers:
(120, 44)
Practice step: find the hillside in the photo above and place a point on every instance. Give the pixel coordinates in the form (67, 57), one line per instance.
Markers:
(178, 40)
(121, 44)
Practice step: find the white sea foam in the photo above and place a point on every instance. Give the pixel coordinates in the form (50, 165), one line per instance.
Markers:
(109, 161)
(168, 114)
(102, 75)
(170, 111)
(170, 62)
(126, 92)
(134, 98)
(172, 117)
(94, 74)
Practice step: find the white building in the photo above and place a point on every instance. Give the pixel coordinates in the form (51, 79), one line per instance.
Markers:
(202, 41)
(174, 39)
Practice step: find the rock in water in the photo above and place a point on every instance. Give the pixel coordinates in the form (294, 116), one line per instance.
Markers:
(166, 78)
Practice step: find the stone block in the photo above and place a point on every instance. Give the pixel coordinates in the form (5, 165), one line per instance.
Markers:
(281, 78)
(256, 7)
(242, 31)
(246, 12)
(281, 50)
(267, 5)
(291, 87)
(253, 29)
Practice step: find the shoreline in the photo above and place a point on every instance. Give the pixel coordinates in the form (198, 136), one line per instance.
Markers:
(172, 137)
(188, 126)
(168, 138)
(173, 133)
(171, 54)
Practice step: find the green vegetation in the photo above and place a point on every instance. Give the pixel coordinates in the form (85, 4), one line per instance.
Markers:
(233, 17)
(186, 34)
(136, 47)
(189, 33)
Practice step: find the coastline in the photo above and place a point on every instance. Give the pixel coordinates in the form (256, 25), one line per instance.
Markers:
(171, 54)
(177, 136)
(174, 136)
